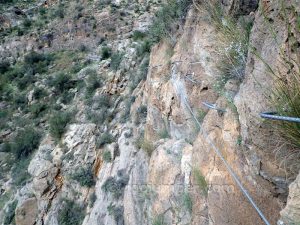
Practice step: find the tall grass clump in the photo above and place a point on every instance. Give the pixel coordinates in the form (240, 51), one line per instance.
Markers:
(233, 36)
(284, 92)
(200, 181)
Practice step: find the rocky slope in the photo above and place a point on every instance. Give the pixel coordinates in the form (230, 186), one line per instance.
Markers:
(133, 152)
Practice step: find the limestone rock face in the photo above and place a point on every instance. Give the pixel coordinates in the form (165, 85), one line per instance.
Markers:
(290, 214)
(161, 168)
(27, 212)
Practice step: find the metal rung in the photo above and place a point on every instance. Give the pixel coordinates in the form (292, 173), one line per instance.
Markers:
(274, 116)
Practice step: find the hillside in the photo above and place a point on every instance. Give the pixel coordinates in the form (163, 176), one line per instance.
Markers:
(149, 112)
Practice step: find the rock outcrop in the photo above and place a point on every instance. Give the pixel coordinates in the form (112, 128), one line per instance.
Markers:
(157, 166)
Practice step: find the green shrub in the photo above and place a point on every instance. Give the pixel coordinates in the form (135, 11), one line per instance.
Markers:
(105, 138)
(25, 142)
(107, 156)
(167, 18)
(71, 213)
(138, 35)
(27, 23)
(92, 199)
(10, 215)
(102, 101)
(142, 143)
(83, 48)
(84, 176)
(39, 93)
(116, 59)
(59, 12)
(19, 100)
(20, 172)
(141, 114)
(163, 134)
(115, 186)
(117, 212)
(97, 117)
(38, 109)
(37, 62)
(66, 97)
(58, 123)
(200, 115)
(105, 52)
(4, 66)
(144, 48)
(141, 75)
(62, 82)
(93, 82)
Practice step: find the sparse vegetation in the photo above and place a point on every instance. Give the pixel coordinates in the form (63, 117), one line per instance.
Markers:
(20, 173)
(71, 213)
(200, 115)
(234, 38)
(115, 186)
(117, 212)
(142, 143)
(24, 143)
(84, 176)
(200, 181)
(158, 220)
(116, 59)
(93, 82)
(167, 19)
(10, 215)
(138, 35)
(106, 156)
(125, 115)
(187, 202)
(141, 114)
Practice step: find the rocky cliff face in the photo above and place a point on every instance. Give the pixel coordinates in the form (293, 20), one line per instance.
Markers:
(134, 153)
